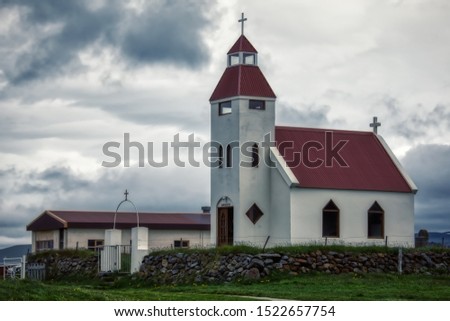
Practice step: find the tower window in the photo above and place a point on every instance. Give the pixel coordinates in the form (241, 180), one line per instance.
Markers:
(225, 107)
(220, 156)
(233, 59)
(257, 104)
(375, 220)
(330, 220)
(229, 156)
(249, 59)
(255, 155)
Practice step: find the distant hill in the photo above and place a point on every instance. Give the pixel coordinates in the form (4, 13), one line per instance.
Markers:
(437, 237)
(14, 251)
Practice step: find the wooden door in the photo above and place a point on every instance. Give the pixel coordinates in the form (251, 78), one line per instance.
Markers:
(224, 226)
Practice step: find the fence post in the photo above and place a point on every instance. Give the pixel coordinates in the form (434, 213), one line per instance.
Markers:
(23, 267)
(265, 244)
(386, 241)
(400, 260)
(326, 241)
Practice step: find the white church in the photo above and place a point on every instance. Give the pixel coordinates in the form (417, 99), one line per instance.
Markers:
(272, 185)
(290, 185)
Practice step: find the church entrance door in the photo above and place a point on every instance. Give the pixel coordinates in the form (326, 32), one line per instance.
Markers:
(224, 226)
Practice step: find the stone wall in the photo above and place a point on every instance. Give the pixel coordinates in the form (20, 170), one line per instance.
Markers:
(210, 267)
(216, 268)
(67, 265)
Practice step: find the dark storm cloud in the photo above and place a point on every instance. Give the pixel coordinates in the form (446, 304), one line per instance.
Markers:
(428, 165)
(164, 31)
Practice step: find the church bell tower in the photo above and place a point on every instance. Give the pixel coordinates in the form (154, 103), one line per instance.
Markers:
(242, 118)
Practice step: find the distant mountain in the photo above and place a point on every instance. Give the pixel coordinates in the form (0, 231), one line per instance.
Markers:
(14, 251)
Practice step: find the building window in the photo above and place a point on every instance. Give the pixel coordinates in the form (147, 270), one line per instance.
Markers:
(180, 244)
(95, 244)
(229, 156)
(255, 155)
(375, 220)
(233, 59)
(254, 213)
(330, 220)
(44, 245)
(249, 59)
(225, 108)
(220, 156)
(257, 104)
(61, 238)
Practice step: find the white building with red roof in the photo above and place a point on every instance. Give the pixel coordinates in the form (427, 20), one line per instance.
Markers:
(291, 185)
(271, 185)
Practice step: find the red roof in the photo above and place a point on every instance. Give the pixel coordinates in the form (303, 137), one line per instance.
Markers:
(369, 166)
(50, 220)
(242, 80)
(242, 44)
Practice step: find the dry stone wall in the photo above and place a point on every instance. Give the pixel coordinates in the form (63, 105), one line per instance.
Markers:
(60, 267)
(209, 267)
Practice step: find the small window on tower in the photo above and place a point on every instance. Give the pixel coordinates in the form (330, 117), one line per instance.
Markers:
(255, 155)
(225, 108)
(233, 59)
(257, 104)
(249, 59)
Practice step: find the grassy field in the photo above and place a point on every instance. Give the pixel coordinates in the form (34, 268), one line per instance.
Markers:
(305, 287)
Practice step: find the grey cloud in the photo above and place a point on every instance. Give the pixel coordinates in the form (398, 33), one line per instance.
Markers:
(438, 119)
(165, 31)
(150, 189)
(428, 166)
(306, 115)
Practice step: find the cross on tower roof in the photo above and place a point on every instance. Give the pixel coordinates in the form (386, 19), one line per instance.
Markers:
(242, 20)
(375, 124)
(126, 194)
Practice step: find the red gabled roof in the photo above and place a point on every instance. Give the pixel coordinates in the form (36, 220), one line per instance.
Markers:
(242, 80)
(242, 44)
(369, 165)
(51, 219)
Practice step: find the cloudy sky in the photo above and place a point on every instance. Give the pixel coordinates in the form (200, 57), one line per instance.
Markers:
(75, 75)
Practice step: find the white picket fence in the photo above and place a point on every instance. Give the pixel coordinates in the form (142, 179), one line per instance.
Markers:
(18, 268)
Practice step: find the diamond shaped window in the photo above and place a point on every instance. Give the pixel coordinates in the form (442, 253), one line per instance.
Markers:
(254, 213)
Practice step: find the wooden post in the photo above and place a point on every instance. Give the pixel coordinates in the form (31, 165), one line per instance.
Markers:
(265, 244)
(326, 241)
(443, 243)
(386, 241)
(76, 247)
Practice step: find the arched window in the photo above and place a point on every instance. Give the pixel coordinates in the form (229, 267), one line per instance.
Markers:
(255, 155)
(220, 158)
(330, 220)
(229, 156)
(375, 221)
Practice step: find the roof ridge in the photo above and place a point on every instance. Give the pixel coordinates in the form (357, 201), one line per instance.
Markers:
(285, 127)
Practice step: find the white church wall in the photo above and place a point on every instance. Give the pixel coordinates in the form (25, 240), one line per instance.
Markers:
(224, 181)
(254, 183)
(307, 205)
(280, 213)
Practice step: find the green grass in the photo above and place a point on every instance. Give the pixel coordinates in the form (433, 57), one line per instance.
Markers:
(304, 287)
(297, 249)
